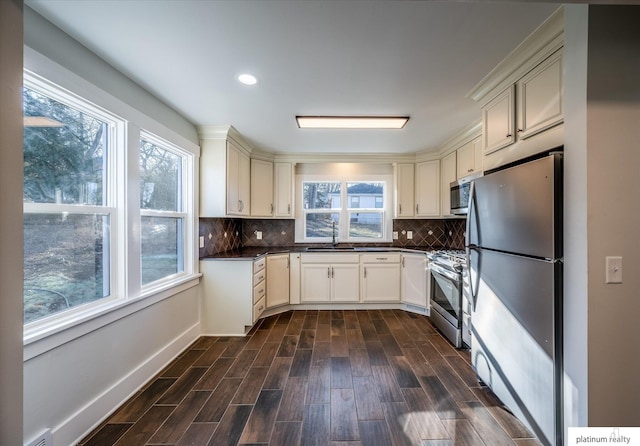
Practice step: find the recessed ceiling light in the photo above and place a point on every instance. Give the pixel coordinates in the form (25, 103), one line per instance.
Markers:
(247, 79)
(351, 122)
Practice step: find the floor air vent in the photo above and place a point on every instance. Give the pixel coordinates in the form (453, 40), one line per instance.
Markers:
(44, 439)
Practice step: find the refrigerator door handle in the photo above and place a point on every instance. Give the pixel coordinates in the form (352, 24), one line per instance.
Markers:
(468, 246)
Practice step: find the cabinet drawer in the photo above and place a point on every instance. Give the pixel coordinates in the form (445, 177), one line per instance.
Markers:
(259, 277)
(259, 291)
(381, 257)
(258, 309)
(258, 265)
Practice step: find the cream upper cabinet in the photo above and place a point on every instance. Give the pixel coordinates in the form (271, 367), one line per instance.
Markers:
(498, 121)
(261, 188)
(238, 181)
(405, 190)
(537, 99)
(448, 174)
(469, 158)
(283, 192)
(540, 97)
(224, 179)
(427, 180)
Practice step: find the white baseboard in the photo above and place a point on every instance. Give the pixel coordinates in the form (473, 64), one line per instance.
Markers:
(74, 428)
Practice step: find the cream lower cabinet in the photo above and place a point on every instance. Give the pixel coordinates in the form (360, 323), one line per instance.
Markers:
(381, 277)
(329, 278)
(415, 280)
(278, 278)
(233, 295)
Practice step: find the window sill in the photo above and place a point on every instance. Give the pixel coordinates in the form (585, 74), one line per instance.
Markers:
(44, 337)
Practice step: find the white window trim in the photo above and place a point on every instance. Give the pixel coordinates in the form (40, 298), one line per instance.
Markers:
(127, 297)
(344, 211)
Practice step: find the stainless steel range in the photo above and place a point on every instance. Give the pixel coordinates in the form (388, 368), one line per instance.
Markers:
(449, 303)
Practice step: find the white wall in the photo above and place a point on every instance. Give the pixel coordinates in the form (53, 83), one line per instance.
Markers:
(11, 222)
(613, 214)
(575, 215)
(70, 388)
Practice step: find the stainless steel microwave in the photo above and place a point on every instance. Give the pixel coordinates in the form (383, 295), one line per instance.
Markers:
(460, 191)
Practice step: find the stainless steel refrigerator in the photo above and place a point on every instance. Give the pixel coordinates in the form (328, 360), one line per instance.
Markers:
(514, 248)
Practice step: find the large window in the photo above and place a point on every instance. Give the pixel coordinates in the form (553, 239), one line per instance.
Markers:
(68, 204)
(83, 228)
(348, 211)
(161, 210)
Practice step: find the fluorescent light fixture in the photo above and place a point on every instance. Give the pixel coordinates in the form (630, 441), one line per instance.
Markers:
(40, 121)
(247, 79)
(351, 122)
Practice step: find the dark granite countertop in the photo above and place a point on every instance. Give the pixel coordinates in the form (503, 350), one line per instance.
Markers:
(254, 252)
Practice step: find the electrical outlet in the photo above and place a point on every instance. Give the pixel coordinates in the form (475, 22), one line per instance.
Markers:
(259, 235)
(409, 235)
(202, 241)
(395, 235)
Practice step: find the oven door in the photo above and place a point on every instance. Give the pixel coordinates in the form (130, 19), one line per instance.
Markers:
(446, 293)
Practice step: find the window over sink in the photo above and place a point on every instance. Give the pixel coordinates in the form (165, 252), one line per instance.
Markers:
(350, 209)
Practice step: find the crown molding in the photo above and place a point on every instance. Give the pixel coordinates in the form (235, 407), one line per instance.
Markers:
(225, 132)
(540, 44)
(467, 134)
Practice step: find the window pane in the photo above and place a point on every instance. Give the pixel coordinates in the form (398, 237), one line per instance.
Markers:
(365, 224)
(321, 195)
(64, 153)
(364, 195)
(66, 262)
(160, 181)
(322, 225)
(161, 239)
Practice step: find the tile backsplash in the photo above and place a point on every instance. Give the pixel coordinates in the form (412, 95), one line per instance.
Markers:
(234, 233)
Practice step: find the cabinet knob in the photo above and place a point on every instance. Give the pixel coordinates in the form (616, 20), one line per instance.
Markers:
(509, 135)
(399, 208)
(271, 208)
(416, 208)
(288, 208)
(519, 130)
(365, 272)
(469, 170)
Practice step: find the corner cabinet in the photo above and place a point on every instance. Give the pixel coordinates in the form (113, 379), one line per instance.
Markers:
(415, 280)
(428, 189)
(278, 278)
(261, 188)
(534, 102)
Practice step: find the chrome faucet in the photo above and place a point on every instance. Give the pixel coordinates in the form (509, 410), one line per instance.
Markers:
(334, 242)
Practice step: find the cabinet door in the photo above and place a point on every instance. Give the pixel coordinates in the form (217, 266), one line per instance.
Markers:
(448, 173)
(497, 121)
(345, 282)
(465, 160)
(381, 282)
(277, 280)
(244, 184)
(405, 189)
(476, 144)
(428, 189)
(414, 280)
(233, 193)
(283, 195)
(261, 188)
(315, 281)
(540, 97)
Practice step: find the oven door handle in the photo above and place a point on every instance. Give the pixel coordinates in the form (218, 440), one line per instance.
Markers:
(435, 268)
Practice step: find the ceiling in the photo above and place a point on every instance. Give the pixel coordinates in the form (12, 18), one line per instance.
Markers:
(311, 57)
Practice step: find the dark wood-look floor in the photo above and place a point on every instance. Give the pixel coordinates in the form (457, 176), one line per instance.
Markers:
(368, 377)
